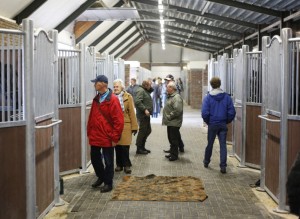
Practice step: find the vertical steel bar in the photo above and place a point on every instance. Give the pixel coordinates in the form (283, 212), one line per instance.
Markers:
(30, 123)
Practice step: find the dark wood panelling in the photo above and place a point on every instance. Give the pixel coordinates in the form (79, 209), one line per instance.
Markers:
(272, 156)
(293, 142)
(44, 167)
(69, 139)
(253, 135)
(238, 133)
(229, 132)
(13, 172)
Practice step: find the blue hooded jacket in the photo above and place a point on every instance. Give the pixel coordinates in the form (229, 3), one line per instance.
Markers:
(217, 108)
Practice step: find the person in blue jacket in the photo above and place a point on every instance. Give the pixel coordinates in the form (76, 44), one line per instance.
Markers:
(217, 112)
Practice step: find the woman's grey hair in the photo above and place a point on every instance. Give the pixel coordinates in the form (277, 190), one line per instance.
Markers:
(119, 81)
(172, 85)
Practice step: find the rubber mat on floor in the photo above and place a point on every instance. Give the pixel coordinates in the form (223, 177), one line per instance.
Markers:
(160, 188)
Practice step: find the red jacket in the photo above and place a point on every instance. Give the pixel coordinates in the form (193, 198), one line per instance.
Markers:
(102, 131)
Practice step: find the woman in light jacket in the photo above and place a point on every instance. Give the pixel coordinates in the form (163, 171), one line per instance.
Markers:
(130, 127)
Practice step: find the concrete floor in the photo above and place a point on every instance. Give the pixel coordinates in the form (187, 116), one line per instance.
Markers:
(229, 195)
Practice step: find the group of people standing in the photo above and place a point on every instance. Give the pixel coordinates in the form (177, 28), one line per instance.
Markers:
(117, 114)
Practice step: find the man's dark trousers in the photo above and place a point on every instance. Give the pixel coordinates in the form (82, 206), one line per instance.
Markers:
(107, 173)
(214, 130)
(144, 131)
(174, 140)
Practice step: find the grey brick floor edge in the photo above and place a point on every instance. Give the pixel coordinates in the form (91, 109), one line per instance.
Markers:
(229, 195)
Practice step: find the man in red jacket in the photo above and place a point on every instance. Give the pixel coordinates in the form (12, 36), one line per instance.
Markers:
(104, 129)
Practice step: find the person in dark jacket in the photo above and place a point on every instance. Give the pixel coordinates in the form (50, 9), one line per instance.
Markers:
(133, 87)
(217, 111)
(104, 129)
(169, 78)
(172, 118)
(144, 108)
(293, 187)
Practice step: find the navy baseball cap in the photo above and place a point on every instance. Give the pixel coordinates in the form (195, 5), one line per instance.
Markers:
(169, 78)
(100, 78)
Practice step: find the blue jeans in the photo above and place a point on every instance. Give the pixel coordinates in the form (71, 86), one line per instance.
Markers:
(219, 130)
(106, 173)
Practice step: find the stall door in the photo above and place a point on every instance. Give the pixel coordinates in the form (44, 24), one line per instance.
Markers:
(45, 105)
(272, 112)
(239, 103)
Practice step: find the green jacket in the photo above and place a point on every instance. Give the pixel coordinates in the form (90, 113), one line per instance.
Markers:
(143, 101)
(173, 111)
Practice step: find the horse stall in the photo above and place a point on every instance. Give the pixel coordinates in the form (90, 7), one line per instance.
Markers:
(239, 68)
(28, 125)
(13, 158)
(253, 99)
(70, 71)
(280, 113)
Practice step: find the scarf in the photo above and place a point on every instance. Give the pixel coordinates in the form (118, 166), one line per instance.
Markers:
(120, 96)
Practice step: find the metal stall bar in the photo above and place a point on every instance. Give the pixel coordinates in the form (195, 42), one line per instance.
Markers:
(286, 34)
(82, 62)
(29, 117)
(240, 67)
(265, 42)
(57, 201)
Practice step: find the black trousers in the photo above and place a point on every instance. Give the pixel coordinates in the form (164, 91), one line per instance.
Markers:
(181, 144)
(174, 139)
(122, 156)
(105, 173)
(144, 131)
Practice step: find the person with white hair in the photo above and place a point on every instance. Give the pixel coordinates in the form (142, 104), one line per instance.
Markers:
(130, 127)
(172, 118)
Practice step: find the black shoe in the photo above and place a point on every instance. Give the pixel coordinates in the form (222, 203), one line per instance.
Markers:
(181, 150)
(118, 169)
(147, 150)
(172, 158)
(168, 155)
(141, 152)
(167, 151)
(97, 183)
(223, 170)
(206, 165)
(127, 170)
(105, 188)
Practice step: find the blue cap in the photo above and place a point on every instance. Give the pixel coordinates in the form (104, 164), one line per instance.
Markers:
(100, 78)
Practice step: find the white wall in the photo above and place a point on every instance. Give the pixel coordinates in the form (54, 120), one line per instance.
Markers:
(197, 64)
(163, 71)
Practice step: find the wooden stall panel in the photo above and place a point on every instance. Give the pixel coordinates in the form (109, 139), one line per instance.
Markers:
(13, 172)
(253, 135)
(272, 156)
(229, 133)
(69, 139)
(44, 167)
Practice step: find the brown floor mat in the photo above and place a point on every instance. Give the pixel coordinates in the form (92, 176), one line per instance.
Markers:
(159, 188)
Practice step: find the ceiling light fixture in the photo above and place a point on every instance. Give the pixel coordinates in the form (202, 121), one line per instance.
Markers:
(162, 22)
